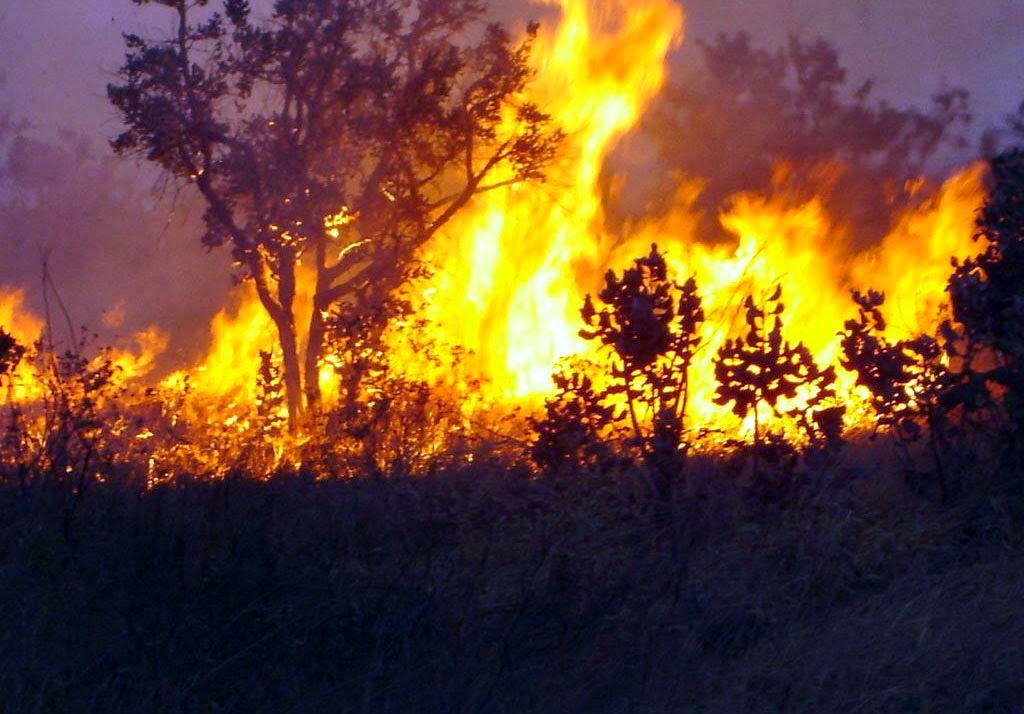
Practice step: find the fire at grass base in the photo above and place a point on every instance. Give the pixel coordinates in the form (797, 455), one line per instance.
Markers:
(80, 416)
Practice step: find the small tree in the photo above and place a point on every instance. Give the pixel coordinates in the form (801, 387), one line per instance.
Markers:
(652, 327)
(579, 427)
(11, 444)
(339, 134)
(653, 335)
(906, 379)
(763, 368)
(387, 422)
(10, 354)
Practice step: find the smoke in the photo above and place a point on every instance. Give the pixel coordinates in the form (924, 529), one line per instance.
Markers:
(787, 120)
(120, 246)
(910, 48)
(121, 255)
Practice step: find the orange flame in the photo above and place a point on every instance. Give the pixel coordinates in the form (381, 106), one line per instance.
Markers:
(511, 271)
(25, 328)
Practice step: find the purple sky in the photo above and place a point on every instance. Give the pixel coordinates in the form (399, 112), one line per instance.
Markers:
(59, 54)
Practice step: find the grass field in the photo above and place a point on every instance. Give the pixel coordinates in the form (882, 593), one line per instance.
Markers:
(486, 590)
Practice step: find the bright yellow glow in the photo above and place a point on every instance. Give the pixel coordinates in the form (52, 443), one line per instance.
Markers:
(511, 270)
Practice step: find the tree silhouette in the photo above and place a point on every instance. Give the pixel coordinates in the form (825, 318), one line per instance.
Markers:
(763, 368)
(653, 336)
(342, 134)
(10, 353)
(578, 427)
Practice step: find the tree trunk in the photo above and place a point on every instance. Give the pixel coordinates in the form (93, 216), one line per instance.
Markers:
(284, 318)
(314, 351)
(291, 373)
(315, 338)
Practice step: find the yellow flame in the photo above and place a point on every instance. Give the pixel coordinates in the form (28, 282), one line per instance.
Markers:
(25, 328)
(511, 270)
(523, 258)
(514, 268)
(228, 370)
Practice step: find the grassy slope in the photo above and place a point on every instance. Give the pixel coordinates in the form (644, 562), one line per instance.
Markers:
(484, 591)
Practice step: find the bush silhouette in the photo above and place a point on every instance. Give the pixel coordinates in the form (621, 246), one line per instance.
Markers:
(907, 382)
(578, 426)
(762, 368)
(651, 327)
(10, 353)
(987, 294)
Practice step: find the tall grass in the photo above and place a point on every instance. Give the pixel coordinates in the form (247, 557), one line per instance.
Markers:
(485, 589)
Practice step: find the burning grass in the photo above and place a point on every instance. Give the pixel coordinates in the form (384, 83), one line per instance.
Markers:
(399, 555)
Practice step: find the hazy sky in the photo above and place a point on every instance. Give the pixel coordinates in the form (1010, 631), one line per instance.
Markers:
(59, 54)
(910, 46)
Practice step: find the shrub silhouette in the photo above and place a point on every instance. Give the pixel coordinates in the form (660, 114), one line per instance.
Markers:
(762, 368)
(11, 447)
(906, 380)
(578, 426)
(386, 422)
(10, 353)
(651, 326)
(653, 337)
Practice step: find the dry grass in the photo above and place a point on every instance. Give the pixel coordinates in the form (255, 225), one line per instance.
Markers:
(483, 590)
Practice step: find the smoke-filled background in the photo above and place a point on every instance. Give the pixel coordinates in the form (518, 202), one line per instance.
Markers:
(122, 248)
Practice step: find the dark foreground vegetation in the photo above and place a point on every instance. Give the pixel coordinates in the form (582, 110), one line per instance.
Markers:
(486, 590)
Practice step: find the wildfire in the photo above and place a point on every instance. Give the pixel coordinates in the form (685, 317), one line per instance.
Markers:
(524, 260)
(511, 271)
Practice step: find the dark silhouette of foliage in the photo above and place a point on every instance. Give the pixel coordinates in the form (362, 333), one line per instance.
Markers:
(269, 397)
(651, 326)
(763, 368)
(271, 414)
(11, 444)
(75, 432)
(907, 382)
(384, 421)
(579, 426)
(387, 116)
(987, 293)
(10, 353)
